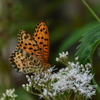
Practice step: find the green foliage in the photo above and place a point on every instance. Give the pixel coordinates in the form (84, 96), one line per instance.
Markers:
(88, 44)
(57, 33)
(18, 26)
(73, 38)
(23, 95)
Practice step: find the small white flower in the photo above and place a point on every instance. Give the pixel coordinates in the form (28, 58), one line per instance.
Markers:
(63, 53)
(27, 76)
(30, 84)
(29, 80)
(66, 53)
(31, 76)
(62, 56)
(57, 59)
(9, 95)
(27, 85)
(23, 85)
(76, 58)
(27, 88)
(4, 94)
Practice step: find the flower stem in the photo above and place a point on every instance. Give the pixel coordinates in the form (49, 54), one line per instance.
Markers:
(62, 62)
(91, 10)
(41, 93)
(34, 93)
(75, 97)
(70, 95)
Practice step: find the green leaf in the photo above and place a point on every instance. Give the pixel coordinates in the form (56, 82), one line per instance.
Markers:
(73, 38)
(88, 44)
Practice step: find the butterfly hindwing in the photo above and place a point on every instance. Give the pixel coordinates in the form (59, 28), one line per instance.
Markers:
(41, 36)
(25, 62)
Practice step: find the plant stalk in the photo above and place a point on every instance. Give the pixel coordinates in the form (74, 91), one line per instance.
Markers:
(93, 13)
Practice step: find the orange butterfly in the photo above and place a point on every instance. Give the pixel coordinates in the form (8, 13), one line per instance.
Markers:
(32, 53)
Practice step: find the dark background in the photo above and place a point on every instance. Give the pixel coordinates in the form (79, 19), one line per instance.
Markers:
(67, 20)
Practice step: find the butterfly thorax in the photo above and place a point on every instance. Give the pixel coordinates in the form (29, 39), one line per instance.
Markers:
(47, 65)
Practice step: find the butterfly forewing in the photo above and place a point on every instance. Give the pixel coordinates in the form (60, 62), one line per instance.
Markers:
(41, 36)
(27, 43)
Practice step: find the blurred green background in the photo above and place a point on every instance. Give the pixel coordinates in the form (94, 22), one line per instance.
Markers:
(67, 21)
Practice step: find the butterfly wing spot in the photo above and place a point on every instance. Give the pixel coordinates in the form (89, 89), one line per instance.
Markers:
(40, 48)
(46, 39)
(27, 55)
(35, 35)
(31, 53)
(29, 44)
(22, 42)
(25, 37)
(31, 58)
(41, 30)
(25, 44)
(42, 37)
(30, 48)
(35, 61)
(24, 47)
(31, 63)
(20, 45)
(38, 37)
(45, 32)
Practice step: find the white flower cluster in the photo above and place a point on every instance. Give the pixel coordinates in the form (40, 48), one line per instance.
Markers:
(62, 55)
(75, 78)
(40, 80)
(28, 87)
(9, 95)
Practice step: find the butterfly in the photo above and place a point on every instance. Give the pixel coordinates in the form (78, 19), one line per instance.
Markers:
(32, 52)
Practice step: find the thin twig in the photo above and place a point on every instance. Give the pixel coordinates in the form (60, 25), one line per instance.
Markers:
(93, 13)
